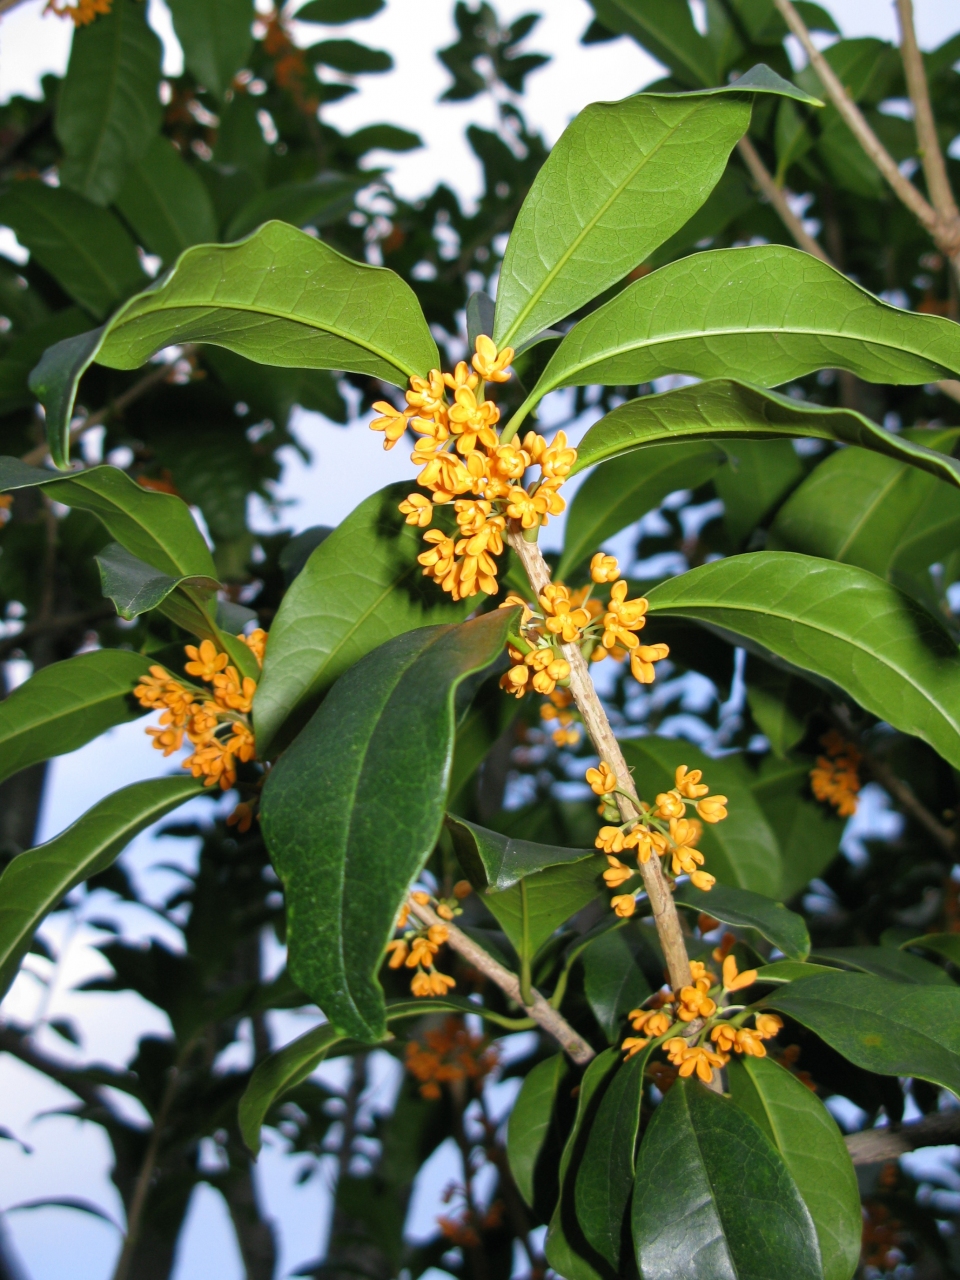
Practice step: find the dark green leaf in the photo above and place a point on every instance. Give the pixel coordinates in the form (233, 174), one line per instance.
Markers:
(166, 203)
(725, 409)
(381, 137)
(67, 704)
(734, 1209)
(530, 1120)
(742, 849)
(665, 28)
(338, 11)
(109, 108)
(760, 474)
(808, 832)
(806, 1135)
(135, 587)
(26, 349)
(837, 622)
(790, 971)
(360, 587)
(779, 703)
(497, 862)
(613, 981)
(349, 57)
(943, 944)
(322, 201)
(886, 962)
(785, 929)
(35, 882)
(892, 1028)
(216, 36)
(86, 249)
(369, 770)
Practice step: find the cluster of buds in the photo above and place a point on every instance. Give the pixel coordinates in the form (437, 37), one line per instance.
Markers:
(216, 723)
(417, 948)
(705, 1001)
(81, 13)
(449, 1054)
(662, 829)
(836, 777)
(464, 463)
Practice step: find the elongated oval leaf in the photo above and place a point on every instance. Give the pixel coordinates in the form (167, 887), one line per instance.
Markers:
(35, 882)
(530, 1121)
(742, 850)
(360, 587)
(165, 201)
(893, 1028)
(790, 971)
(109, 108)
(216, 36)
(734, 1208)
(942, 944)
(806, 1135)
(279, 297)
(627, 488)
(370, 771)
(613, 980)
(318, 203)
(886, 962)
(723, 408)
(839, 623)
(498, 862)
(623, 177)
(785, 929)
(764, 315)
(136, 587)
(67, 704)
(807, 831)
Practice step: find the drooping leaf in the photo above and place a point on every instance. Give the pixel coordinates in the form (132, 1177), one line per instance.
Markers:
(734, 1207)
(26, 349)
(109, 109)
(166, 203)
(369, 770)
(742, 849)
(604, 1178)
(627, 488)
(726, 409)
(35, 882)
(216, 36)
(529, 1121)
(136, 587)
(837, 622)
(892, 1028)
(886, 962)
(578, 231)
(67, 704)
(807, 831)
(86, 249)
(613, 981)
(942, 944)
(691, 317)
(785, 929)
(318, 203)
(807, 1137)
(359, 588)
(279, 297)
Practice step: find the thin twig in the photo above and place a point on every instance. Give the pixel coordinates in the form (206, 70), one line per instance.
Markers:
(928, 144)
(603, 738)
(778, 198)
(902, 795)
(874, 1146)
(541, 1012)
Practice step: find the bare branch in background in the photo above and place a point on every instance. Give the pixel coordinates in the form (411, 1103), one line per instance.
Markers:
(778, 198)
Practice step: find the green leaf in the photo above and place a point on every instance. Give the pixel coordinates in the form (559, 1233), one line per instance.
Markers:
(109, 109)
(812, 1147)
(943, 944)
(790, 971)
(155, 527)
(785, 929)
(613, 981)
(779, 703)
(734, 1208)
(742, 849)
(328, 197)
(886, 962)
(67, 704)
(166, 203)
(360, 587)
(216, 36)
(760, 475)
(808, 832)
(625, 489)
(334, 12)
(579, 232)
(560, 1254)
(369, 770)
(892, 1028)
(837, 622)
(381, 137)
(604, 1178)
(516, 877)
(279, 297)
(692, 317)
(135, 587)
(36, 881)
(665, 28)
(27, 348)
(726, 409)
(349, 56)
(529, 1121)
(86, 249)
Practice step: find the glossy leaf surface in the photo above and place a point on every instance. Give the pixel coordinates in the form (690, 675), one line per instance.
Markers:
(785, 929)
(735, 1210)
(613, 981)
(838, 622)
(807, 831)
(136, 587)
(370, 770)
(497, 861)
(35, 882)
(530, 1121)
(216, 37)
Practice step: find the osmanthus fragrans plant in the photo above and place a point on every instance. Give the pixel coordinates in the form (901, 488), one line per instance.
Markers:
(347, 729)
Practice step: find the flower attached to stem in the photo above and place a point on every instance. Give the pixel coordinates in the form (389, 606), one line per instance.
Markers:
(836, 778)
(418, 947)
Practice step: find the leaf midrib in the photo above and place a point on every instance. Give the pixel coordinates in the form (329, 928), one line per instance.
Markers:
(78, 247)
(116, 60)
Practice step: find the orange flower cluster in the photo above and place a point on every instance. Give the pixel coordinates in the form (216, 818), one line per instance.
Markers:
(836, 778)
(291, 69)
(217, 727)
(448, 1054)
(82, 13)
(417, 950)
(462, 1232)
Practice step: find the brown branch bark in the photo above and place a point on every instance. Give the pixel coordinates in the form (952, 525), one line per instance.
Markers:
(7, 5)
(542, 1013)
(778, 198)
(873, 1146)
(603, 738)
(928, 144)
